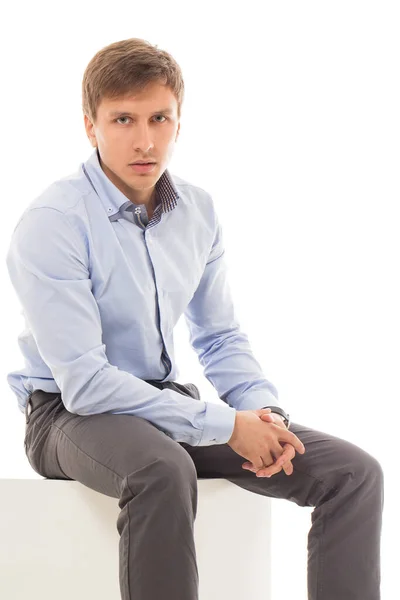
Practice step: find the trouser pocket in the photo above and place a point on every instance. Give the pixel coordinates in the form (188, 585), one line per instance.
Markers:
(35, 440)
(38, 428)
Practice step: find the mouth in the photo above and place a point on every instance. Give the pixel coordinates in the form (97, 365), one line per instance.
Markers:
(143, 167)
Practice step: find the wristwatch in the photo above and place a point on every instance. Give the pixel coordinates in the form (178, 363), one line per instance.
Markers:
(280, 411)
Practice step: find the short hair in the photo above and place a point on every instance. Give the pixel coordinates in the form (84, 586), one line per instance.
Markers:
(127, 67)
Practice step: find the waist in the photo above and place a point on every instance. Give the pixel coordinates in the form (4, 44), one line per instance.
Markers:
(39, 397)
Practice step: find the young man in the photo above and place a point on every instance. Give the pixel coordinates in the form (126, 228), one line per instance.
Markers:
(104, 262)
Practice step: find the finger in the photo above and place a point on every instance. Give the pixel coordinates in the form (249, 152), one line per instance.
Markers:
(286, 465)
(288, 468)
(288, 436)
(281, 452)
(263, 412)
(284, 458)
(259, 464)
(248, 465)
(268, 471)
(267, 417)
(278, 453)
(282, 462)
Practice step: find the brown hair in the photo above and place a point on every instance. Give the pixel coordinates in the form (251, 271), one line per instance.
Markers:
(126, 67)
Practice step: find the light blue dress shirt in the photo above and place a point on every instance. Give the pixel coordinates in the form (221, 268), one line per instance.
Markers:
(102, 288)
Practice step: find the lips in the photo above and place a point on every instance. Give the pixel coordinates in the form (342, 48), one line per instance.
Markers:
(143, 168)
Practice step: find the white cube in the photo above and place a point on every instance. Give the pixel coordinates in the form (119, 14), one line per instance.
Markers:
(59, 541)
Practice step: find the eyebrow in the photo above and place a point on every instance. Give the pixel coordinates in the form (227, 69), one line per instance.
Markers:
(115, 113)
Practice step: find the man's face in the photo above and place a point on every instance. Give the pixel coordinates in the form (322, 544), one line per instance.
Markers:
(136, 127)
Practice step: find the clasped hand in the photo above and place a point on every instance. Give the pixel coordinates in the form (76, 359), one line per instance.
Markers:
(288, 452)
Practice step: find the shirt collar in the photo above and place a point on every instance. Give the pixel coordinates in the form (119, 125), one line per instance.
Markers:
(113, 200)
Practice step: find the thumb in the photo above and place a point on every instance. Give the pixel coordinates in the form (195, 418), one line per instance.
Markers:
(262, 411)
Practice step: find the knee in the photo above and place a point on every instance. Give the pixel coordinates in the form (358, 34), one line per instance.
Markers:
(368, 466)
(375, 467)
(175, 471)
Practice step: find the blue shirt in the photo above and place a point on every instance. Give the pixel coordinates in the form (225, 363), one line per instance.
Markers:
(102, 287)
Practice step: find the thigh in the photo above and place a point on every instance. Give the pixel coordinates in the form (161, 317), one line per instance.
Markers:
(316, 472)
(101, 450)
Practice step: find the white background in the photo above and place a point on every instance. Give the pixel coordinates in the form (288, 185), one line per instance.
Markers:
(291, 122)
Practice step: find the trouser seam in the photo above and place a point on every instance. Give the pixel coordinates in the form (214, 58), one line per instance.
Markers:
(85, 453)
(121, 478)
(325, 518)
(99, 463)
(129, 540)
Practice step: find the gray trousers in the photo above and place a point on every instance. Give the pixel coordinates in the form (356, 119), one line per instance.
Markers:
(127, 457)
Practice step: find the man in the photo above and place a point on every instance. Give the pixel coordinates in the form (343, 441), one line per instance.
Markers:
(104, 263)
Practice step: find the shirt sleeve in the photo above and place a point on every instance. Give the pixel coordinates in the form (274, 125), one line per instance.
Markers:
(48, 264)
(222, 348)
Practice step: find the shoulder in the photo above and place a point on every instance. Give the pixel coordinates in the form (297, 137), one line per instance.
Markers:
(193, 194)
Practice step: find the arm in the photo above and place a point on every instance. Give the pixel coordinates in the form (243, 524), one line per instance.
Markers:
(48, 263)
(222, 348)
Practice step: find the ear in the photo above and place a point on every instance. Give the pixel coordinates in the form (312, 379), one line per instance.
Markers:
(90, 130)
(177, 132)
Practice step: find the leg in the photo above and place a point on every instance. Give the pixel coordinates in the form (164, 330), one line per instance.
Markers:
(345, 485)
(127, 457)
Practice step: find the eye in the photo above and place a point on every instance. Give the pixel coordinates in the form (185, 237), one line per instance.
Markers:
(120, 118)
(116, 120)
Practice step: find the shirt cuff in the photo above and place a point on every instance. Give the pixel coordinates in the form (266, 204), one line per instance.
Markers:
(219, 424)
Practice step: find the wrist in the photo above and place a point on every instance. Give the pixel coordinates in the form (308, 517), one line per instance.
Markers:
(235, 429)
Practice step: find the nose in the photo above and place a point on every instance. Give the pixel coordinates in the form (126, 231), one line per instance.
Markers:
(143, 139)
